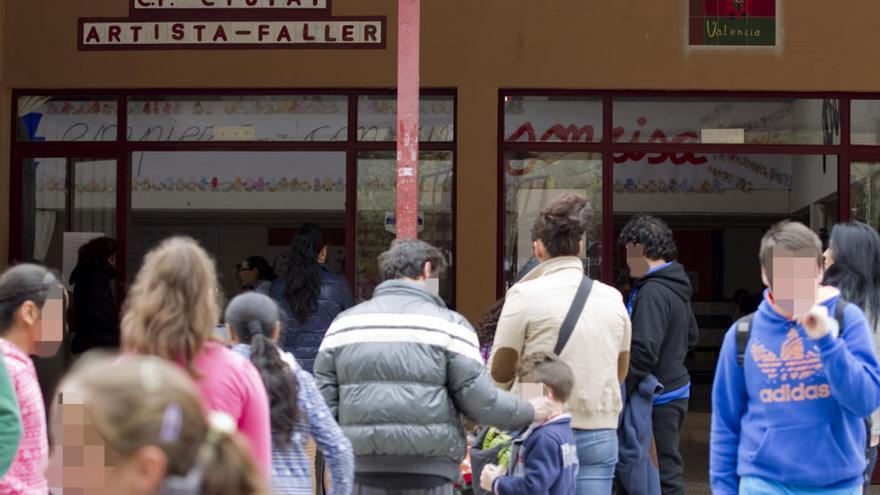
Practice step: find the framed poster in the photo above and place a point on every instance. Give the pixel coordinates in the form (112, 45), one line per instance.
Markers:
(732, 23)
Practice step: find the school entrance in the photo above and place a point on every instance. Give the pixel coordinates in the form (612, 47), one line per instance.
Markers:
(239, 171)
(719, 168)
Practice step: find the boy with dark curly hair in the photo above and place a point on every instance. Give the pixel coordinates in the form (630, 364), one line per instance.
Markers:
(664, 330)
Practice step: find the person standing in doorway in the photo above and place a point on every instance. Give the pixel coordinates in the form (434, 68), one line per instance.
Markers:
(256, 274)
(664, 331)
(852, 265)
(94, 303)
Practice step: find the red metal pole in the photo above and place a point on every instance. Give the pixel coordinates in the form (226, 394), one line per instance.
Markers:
(407, 118)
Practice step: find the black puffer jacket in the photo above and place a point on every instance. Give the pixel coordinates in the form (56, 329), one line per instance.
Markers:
(302, 339)
(664, 328)
(400, 372)
(96, 318)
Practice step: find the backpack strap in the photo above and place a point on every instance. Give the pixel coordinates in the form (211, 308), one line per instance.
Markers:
(744, 329)
(574, 313)
(743, 332)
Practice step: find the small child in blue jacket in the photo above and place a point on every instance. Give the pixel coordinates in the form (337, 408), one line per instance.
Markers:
(545, 455)
(788, 407)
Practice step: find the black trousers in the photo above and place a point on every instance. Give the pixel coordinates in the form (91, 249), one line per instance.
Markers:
(668, 419)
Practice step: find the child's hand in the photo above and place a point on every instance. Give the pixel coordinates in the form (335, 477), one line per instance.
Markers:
(816, 322)
(543, 408)
(490, 473)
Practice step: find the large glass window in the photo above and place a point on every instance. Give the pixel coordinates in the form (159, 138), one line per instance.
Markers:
(45, 118)
(238, 172)
(560, 119)
(64, 203)
(726, 121)
(865, 192)
(532, 181)
(377, 193)
(233, 210)
(377, 118)
(865, 122)
(718, 170)
(238, 118)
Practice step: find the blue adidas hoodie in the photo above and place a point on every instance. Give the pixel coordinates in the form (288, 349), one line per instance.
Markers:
(793, 413)
(546, 461)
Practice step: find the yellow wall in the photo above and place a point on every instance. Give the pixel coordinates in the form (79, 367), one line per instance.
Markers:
(476, 46)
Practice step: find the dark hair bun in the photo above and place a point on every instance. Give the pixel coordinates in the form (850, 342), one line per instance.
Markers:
(561, 226)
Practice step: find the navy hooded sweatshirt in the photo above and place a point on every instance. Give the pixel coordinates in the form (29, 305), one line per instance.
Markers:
(546, 461)
(794, 413)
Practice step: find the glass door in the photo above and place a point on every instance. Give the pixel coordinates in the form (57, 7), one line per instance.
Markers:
(64, 203)
(864, 183)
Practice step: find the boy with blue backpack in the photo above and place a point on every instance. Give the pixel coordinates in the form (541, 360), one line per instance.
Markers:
(544, 457)
(794, 382)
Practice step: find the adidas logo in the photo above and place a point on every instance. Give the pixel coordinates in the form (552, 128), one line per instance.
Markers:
(800, 393)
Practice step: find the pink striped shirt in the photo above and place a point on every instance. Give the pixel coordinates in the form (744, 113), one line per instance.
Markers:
(231, 384)
(28, 472)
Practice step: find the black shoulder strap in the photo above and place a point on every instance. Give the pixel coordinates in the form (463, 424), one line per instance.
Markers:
(743, 332)
(574, 312)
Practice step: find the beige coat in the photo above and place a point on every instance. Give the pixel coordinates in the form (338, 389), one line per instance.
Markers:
(533, 313)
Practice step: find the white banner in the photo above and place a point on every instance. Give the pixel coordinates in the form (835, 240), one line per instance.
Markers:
(225, 33)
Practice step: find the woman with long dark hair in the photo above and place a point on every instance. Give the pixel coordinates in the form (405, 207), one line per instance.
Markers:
(311, 294)
(96, 322)
(852, 265)
(296, 404)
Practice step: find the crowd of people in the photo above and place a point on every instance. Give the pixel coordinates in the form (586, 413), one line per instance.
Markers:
(566, 386)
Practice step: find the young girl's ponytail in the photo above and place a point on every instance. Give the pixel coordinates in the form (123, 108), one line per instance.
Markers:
(254, 318)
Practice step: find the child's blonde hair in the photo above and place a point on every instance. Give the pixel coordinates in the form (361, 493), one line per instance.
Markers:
(173, 305)
(140, 401)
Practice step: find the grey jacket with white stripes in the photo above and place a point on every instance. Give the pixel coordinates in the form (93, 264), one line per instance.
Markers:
(400, 372)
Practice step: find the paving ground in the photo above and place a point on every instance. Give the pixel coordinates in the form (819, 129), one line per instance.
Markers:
(696, 469)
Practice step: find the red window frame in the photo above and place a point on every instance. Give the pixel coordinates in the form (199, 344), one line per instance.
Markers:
(845, 151)
(121, 150)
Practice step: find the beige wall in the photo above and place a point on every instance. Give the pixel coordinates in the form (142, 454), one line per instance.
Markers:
(476, 47)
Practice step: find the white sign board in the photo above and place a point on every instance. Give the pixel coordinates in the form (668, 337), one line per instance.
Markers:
(723, 136)
(130, 34)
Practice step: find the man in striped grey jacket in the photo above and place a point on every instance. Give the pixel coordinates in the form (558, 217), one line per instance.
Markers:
(401, 372)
